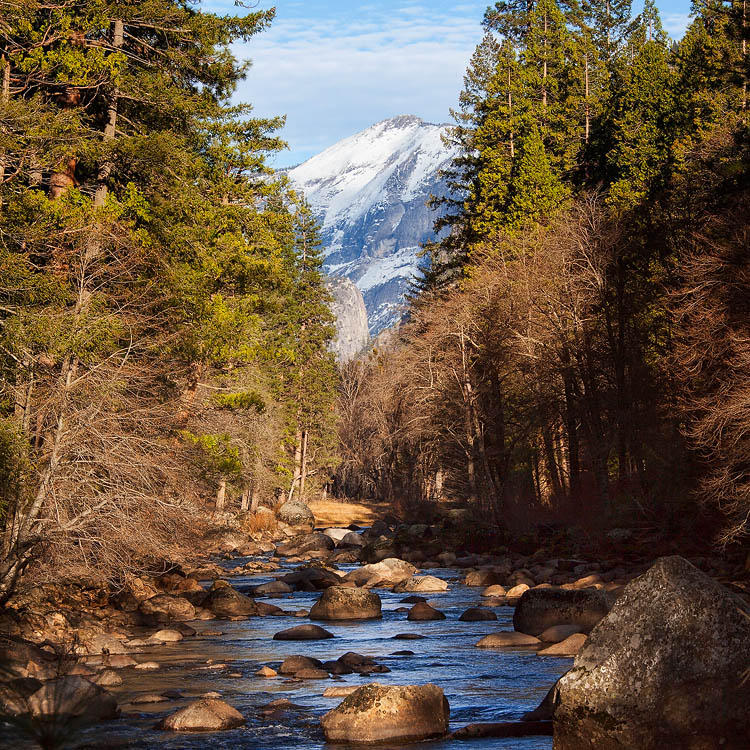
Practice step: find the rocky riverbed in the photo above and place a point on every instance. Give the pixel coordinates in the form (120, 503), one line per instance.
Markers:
(260, 645)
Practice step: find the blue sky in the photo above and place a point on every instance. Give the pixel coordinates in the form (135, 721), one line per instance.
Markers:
(335, 67)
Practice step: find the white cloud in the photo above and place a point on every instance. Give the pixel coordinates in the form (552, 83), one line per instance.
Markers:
(333, 76)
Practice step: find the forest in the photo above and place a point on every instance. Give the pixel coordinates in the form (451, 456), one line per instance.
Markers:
(576, 352)
(164, 323)
(557, 432)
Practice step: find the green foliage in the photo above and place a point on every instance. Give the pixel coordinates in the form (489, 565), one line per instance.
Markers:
(249, 400)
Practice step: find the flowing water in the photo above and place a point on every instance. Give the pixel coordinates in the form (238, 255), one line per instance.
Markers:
(481, 685)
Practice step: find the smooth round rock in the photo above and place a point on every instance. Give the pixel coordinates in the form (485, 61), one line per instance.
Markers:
(509, 638)
(420, 583)
(569, 647)
(495, 590)
(424, 612)
(303, 633)
(378, 713)
(293, 664)
(344, 603)
(205, 715)
(477, 614)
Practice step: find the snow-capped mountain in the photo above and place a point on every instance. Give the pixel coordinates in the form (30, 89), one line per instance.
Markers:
(370, 192)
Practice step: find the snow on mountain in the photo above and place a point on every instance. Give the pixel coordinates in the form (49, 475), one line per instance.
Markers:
(370, 193)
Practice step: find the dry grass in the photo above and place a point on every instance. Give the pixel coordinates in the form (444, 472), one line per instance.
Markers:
(258, 523)
(333, 513)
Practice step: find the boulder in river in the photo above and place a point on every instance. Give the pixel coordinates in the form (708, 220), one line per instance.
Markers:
(541, 608)
(662, 670)
(420, 583)
(167, 608)
(377, 713)
(352, 539)
(387, 572)
(225, 602)
(313, 578)
(293, 664)
(272, 587)
(295, 513)
(477, 614)
(422, 611)
(342, 603)
(205, 715)
(303, 633)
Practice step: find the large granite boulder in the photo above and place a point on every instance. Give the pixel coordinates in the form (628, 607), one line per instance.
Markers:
(296, 513)
(377, 713)
(167, 608)
(344, 603)
(225, 602)
(388, 572)
(541, 608)
(664, 669)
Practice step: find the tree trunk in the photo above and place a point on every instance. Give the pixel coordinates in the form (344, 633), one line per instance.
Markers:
(110, 129)
(297, 461)
(303, 467)
(221, 495)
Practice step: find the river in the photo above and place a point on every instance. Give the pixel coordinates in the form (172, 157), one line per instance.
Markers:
(481, 685)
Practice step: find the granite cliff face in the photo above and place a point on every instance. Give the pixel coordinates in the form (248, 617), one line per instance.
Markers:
(352, 335)
(370, 193)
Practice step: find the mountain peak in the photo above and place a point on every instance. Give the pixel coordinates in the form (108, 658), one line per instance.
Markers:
(370, 193)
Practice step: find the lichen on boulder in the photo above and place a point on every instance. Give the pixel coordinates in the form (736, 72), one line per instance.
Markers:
(662, 670)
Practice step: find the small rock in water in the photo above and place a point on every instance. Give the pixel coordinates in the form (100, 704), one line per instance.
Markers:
(496, 590)
(293, 664)
(558, 633)
(378, 713)
(211, 694)
(569, 647)
(477, 614)
(423, 612)
(413, 599)
(148, 665)
(166, 636)
(119, 661)
(402, 653)
(509, 638)
(207, 714)
(312, 674)
(408, 637)
(266, 672)
(149, 698)
(303, 633)
(107, 678)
